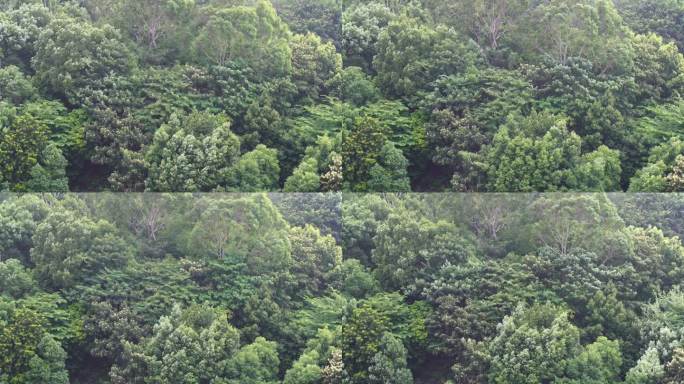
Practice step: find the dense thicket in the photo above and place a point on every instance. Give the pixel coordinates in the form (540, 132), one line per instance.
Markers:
(321, 95)
(341, 289)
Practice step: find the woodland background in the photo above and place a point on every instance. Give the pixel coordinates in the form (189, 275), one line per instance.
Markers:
(341, 288)
(323, 95)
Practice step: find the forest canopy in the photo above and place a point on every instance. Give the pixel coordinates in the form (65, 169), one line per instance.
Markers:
(333, 95)
(205, 110)
(341, 288)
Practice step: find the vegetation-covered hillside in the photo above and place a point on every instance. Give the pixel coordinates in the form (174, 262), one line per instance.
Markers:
(330, 95)
(333, 97)
(341, 289)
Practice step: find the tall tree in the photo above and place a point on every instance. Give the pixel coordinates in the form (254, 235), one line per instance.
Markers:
(247, 229)
(410, 56)
(389, 364)
(191, 153)
(533, 345)
(254, 36)
(22, 142)
(69, 248)
(73, 55)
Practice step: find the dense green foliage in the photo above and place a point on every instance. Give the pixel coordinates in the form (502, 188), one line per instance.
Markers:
(321, 95)
(341, 289)
(333, 98)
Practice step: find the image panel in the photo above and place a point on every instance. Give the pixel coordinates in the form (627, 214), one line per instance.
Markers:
(186, 288)
(513, 96)
(341, 288)
(169, 96)
(341, 95)
(514, 288)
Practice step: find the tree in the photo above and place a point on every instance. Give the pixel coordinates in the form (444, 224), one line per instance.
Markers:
(608, 315)
(191, 345)
(360, 151)
(69, 248)
(597, 105)
(411, 56)
(109, 328)
(262, 123)
(19, 218)
(360, 218)
(320, 313)
(390, 173)
(405, 319)
(648, 370)
(660, 173)
(321, 17)
(65, 127)
(661, 328)
(304, 370)
(116, 136)
(389, 364)
(658, 69)
(361, 28)
(599, 362)
(602, 123)
(333, 180)
(352, 85)
(247, 229)
(256, 363)
(22, 26)
(314, 63)
(485, 21)
(568, 222)
(20, 328)
(409, 249)
(15, 88)
(658, 260)
(356, 281)
(156, 25)
(49, 175)
(675, 179)
(674, 369)
(562, 29)
(315, 258)
(149, 288)
(48, 365)
(573, 275)
(645, 210)
(554, 147)
(304, 178)
(309, 367)
(323, 211)
(493, 290)
(533, 345)
(321, 167)
(73, 55)
(599, 170)
(253, 35)
(21, 145)
(361, 338)
(465, 113)
(191, 153)
(148, 217)
(15, 280)
(255, 171)
(29, 355)
(334, 372)
(661, 17)
(539, 153)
